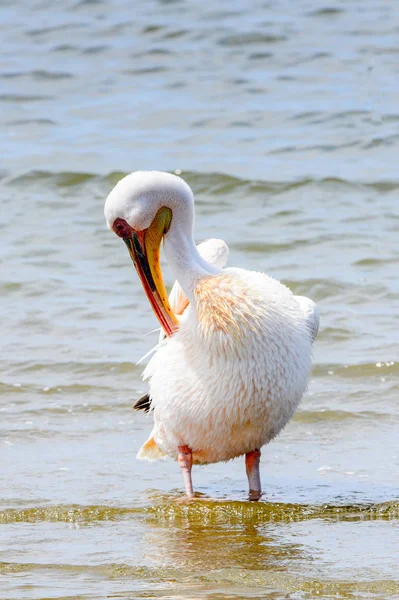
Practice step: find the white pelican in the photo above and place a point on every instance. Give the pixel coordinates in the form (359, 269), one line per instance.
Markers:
(235, 365)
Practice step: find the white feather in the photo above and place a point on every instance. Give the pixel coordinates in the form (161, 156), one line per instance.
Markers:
(222, 397)
(311, 313)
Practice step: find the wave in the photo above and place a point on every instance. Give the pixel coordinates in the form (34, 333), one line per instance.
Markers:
(213, 182)
(205, 511)
(356, 370)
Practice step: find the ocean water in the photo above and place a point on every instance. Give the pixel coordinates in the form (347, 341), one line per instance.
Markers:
(284, 119)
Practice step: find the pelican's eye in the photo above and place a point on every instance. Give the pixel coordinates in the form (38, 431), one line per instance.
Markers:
(121, 228)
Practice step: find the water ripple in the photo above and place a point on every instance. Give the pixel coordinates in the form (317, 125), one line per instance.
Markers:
(208, 512)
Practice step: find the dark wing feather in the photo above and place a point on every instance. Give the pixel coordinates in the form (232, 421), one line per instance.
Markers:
(144, 403)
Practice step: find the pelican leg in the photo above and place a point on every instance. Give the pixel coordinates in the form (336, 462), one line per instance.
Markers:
(252, 460)
(185, 459)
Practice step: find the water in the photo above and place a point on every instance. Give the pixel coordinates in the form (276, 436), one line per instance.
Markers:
(283, 118)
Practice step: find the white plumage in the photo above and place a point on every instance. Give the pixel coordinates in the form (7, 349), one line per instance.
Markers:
(225, 397)
(232, 375)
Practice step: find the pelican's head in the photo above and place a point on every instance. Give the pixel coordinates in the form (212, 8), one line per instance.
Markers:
(140, 210)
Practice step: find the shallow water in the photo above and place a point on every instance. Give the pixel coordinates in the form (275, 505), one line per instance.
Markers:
(284, 120)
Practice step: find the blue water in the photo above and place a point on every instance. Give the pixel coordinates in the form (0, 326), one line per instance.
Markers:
(283, 117)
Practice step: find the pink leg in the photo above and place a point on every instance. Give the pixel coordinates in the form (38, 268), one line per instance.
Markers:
(252, 460)
(185, 459)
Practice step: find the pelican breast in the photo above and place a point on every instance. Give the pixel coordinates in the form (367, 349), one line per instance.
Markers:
(235, 370)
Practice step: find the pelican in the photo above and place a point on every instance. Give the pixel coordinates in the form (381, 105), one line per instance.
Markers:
(237, 354)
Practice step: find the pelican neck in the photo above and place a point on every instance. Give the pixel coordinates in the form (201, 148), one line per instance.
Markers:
(187, 264)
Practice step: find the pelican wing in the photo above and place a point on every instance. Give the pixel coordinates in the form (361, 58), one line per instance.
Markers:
(311, 313)
(215, 252)
(143, 403)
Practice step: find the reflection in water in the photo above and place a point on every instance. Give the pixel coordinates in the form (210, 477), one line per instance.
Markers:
(237, 538)
(203, 548)
(192, 541)
(241, 546)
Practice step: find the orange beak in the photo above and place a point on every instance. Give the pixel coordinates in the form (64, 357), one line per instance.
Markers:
(144, 250)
